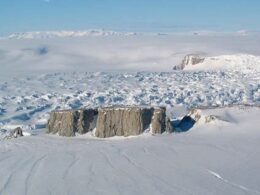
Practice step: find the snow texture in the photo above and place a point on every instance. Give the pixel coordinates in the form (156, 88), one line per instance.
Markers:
(45, 71)
(214, 158)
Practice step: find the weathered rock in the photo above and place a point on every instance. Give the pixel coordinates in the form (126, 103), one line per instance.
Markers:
(195, 114)
(122, 121)
(126, 121)
(159, 120)
(17, 132)
(63, 122)
(191, 59)
(69, 122)
(169, 126)
(210, 118)
(108, 121)
(87, 120)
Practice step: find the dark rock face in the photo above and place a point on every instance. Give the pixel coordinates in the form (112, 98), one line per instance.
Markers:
(87, 120)
(17, 132)
(169, 126)
(159, 120)
(69, 122)
(122, 121)
(191, 59)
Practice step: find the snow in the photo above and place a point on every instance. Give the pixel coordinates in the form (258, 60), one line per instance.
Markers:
(219, 158)
(240, 62)
(45, 71)
(27, 101)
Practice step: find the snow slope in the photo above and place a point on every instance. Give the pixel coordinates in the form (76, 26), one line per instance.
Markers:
(216, 158)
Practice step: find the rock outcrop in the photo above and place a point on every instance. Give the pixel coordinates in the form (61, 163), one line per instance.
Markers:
(190, 60)
(159, 120)
(17, 132)
(126, 121)
(109, 121)
(123, 121)
(69, 122)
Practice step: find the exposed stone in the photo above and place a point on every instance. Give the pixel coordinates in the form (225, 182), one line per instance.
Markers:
(17, 132)
(169, 126)
(159, 120)
(69, 122)
(123, 121)
(195, 114)
(210, 118)
(87, 120)
(191, 59)
(109, 121)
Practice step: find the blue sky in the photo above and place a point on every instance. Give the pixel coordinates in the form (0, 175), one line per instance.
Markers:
(129, 15)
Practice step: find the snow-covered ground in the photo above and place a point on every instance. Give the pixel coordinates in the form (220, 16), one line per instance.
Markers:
(221, 157)
(240, 62)
(40, 72)
(28, 100)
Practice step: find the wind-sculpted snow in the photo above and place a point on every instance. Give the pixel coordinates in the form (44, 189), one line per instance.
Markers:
(28, 100)
(216, 158)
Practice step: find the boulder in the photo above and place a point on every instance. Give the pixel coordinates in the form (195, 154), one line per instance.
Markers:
(69, 122)
(17, 132)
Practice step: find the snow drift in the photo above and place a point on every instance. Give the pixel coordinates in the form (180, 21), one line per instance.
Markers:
(216, 158)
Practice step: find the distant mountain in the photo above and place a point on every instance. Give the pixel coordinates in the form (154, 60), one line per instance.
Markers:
(239, 62)
(57, 34)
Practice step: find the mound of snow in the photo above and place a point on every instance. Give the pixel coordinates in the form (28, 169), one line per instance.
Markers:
(239, 62)
(195, 117)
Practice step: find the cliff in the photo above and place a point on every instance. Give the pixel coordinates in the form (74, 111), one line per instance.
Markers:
(109, 121)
